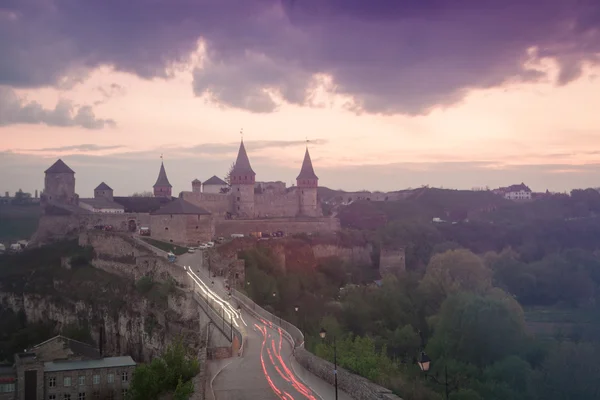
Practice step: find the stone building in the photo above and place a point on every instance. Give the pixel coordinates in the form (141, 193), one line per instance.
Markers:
(103, 191)
(248, 199)
(65, 369)
(103, 201)
(182, 223)
(59, 184)
(196, 186)
(162, 187)
(214, 184)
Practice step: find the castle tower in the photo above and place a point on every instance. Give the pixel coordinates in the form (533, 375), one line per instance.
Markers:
(242, 180)
(162, 187)
(59, 184)
(103, 191)
(196, 186)
(307, 183)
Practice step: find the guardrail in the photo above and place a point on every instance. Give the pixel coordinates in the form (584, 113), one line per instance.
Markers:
(294, 334)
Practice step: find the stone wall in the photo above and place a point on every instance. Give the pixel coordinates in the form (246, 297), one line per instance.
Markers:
(356, 386)
(60, 187)
(287, 225)
(185, 230)
(272, 204)
(391, 261)
(356, 254)
(215, 203)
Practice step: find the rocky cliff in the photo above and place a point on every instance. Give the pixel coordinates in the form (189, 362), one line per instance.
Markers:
(133, 321)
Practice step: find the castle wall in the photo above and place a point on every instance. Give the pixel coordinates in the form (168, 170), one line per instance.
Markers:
(276, 204)
(308, 203)
(186, 229)
(215, 203)
(287, 225)
(243, 200)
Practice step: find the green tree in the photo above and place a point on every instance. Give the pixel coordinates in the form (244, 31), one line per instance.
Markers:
(183, 391)
(477, 330)
(452, 272)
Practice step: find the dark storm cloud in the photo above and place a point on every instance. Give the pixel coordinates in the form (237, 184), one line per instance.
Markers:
(390, 55)
(15, 111)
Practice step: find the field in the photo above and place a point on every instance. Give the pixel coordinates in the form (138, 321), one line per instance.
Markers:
(18, 222)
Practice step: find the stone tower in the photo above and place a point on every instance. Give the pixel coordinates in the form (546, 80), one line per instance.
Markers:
(103, 191)
(242, 185)
(59, 184)
(162, 187)
(307, 183)
(196, 186)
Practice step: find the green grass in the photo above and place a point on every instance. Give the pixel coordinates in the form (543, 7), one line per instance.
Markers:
(18, 222)
(177, 250)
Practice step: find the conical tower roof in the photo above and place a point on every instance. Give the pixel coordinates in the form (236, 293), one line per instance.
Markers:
(307, 171)
(242, 163)
(162, 180)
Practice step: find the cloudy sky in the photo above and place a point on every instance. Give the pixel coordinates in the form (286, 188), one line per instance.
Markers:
(391, 94)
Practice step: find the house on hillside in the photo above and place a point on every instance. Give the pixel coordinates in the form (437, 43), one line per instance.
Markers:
(515, 192)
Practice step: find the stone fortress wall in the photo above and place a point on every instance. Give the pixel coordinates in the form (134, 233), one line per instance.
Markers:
(276, 204)
(287, 225)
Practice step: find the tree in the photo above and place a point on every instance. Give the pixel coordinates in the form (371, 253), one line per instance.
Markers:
(454, 271)
(228, 175)
(143, 194)
(476, 330)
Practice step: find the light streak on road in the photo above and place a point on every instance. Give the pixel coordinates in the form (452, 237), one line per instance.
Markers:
(278, 364)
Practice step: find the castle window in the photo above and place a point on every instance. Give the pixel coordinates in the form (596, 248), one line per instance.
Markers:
(238, 191)
(196, 226)
(238, 199)
(166, 228)
(245, 178)
(238, 207)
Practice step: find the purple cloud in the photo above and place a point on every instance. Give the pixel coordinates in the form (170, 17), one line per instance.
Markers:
(391, 56)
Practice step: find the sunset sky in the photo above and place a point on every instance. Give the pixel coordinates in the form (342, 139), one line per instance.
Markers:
(391, 94)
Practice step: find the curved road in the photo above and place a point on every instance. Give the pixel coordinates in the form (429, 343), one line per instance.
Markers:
(265, 371)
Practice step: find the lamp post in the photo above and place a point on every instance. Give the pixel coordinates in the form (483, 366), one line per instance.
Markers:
(424, 363)
(323, 333)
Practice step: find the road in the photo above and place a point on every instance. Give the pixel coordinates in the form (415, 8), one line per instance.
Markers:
(266, 370)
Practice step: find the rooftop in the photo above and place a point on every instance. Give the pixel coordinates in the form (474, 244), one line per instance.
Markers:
(142, 204)
(108, 362)
(181, 206)
(215, 180)
(162, 179)
(74, 346)
(242, 163)
(307, 171)
(59, 167)
(103, 186)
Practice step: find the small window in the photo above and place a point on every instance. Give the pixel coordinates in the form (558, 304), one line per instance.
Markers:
(166, 228)
(124, 376)
(67, 396)
(110, 378)
(81, 380)
(96, 394)
(52, 381)
(52, 397)
(238, 189)
(238, 199)
(81, 396)
(96, 379)
(196, 226)
(67, 381)
(124, 392)
(7, 387)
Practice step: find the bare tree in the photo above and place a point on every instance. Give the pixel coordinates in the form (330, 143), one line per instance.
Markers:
(143, 194)
(228, 176)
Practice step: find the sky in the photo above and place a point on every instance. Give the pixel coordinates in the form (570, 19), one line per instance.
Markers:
(389, 94)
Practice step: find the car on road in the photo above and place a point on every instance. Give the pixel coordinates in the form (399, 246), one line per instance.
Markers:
(210, 244)
(191, 250)
(203, 246)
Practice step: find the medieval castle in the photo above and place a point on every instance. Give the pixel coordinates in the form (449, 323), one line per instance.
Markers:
(211, 209)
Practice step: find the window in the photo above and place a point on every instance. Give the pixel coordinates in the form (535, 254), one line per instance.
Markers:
(124, 376)
(67, 381)
(238, 199)
(52, 381)
(67, 396)
(96, 394)
(110, 378)
(96, 379)
(7, 388)
(81, 380)
(52, 397)
(111, 395)
(81, 396)
(124, 393)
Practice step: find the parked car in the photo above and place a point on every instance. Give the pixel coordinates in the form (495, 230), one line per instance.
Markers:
(203, 246)
(191, 250)
(210, 244)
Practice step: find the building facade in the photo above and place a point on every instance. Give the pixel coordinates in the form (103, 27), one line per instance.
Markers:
(183, 223)
(515, 192)
(214, 184)
(59, 184)
(65, 369)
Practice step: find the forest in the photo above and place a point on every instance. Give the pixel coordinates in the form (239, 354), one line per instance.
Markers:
(506, 303)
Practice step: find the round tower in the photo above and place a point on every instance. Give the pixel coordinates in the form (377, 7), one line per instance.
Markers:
(307, 183)
(196, 186)
(242, 179)
(59, 184)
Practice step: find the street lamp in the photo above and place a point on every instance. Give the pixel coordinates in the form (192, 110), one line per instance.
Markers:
(296, 308)
(424, 363)
(323, 333)
(274, 294)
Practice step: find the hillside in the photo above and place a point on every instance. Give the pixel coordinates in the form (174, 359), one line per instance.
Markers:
(18, 222)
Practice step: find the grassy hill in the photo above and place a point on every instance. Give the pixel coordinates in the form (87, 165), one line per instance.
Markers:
(18, 222)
